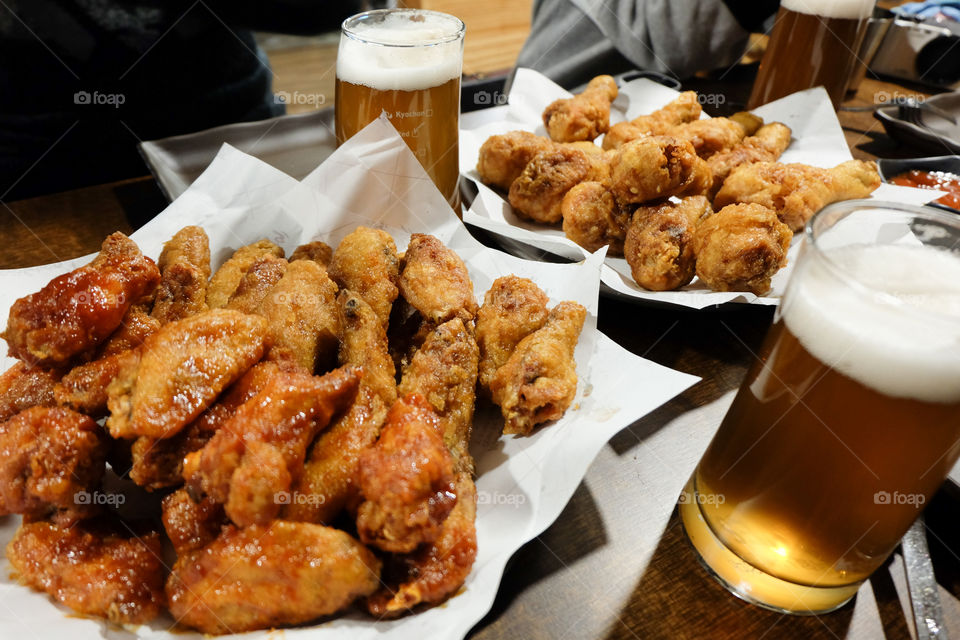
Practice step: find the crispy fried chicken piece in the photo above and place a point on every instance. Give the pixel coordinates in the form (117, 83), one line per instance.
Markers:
(659, 246)
(584, 116)
(513, 308)
(406, 479)
(256, 283)
(444, 371)
(539, 380)
(76, 311)
(437, 570)
(593, 219)
(184, 270)
(84, 388)
(260, 449)
(302, 313)
(50, 456)
(182, 368)
(538, 192)
(751, 123)
(136, 325)
(797, 191)
(366, 262)
(685, 108)
(766, 145)
(503, 157)
(22, 387)
(224, 282)
(280, 574)
(656, 167)
(92, 568)
(741, 247)
(710, 136)
(435, 281)
(318, 251)
(191, 525)
(330, 474)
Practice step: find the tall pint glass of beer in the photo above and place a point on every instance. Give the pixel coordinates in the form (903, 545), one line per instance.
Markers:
(406, 63)
(850, 419)
(813, 42)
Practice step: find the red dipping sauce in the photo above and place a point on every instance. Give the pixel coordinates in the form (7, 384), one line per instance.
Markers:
(939, 180)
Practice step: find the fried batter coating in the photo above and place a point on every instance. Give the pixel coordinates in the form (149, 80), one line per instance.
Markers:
(710, 136)
(256, 283)
(685, 108)
(224, 282)
(751, 123)
(741, 247)
(659, 246)
(136, 325)
(92, 569)
(260, 449)
(444, 371)
(191, 525)
(538, 192)
(539, 381)
(406, 479)
(503, 157)
(366, 262)
(302, 313)
(584, 116)
(797, 191)
(49, 457)
(22, 387)
(766, 145)
(656, 167)
(319, 252)
(182, 368)
(435, 281)
(184, 270)
(275, 575)
(593, 219)
(75, 312)
(435, 571)
(84, 388)
(513, 308)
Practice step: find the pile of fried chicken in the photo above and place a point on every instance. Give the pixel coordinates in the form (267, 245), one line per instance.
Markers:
(301, 425)
(676, 195)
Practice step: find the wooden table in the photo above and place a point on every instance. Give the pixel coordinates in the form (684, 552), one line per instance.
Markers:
(583, 577)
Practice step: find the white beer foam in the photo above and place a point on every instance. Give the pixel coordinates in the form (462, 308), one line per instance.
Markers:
(849, 9)
(910, 350)
(387, 62)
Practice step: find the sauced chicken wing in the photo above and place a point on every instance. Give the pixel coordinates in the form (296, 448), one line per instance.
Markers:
(766, 145)
(366, 262)
(659, 246)
(184, 270)
(656, 167)
(182, 368)
(267, 576)
(191, 525)
(22, 387)
(503, 157)
(435, 281)
(92, 568)
(318, 251)
(256, 283)
(84, 388)
(685, 108)
(797, 191)
(584, 116)
(593, 219)
(740, 248)
(224, 282)
(75, 312)
(539, 380)
(136, 325)
(709, 136)
(538, 192)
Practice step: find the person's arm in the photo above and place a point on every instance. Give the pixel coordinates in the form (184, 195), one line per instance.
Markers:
(302, 17)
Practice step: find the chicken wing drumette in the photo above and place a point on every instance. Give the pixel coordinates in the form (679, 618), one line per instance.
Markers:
(584, 116)
(685, 108)
(659, 245)
(656, 167)
(538, 193)
(592, 218)
(504, 156)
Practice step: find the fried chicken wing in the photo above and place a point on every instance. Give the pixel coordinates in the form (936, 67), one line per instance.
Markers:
(797, 191)
(593, 219)
(366, 262)
(584, 116)
(50, 457)
(319, 252)
(656, 167)
(503, 157)
(538, 192)
(182, 368)
(406, 479)
(750, 122)
(435, 281)
(224, 282)
(268, 576)
(92, 569)
(659, 245)
(539, 380)
(741, 247)
(84, 388)
(76, 311)
(710, 136)
(191, 525)
(184, 270)
(766, 145)
(256, 283)
(136, 325)
(685, 108)
(513, 308)
(22, 387)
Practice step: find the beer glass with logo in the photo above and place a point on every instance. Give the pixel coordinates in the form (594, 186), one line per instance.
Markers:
(406, 63)
(813, 42)
(850, 419)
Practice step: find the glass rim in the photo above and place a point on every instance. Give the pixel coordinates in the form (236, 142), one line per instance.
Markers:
(346, 27)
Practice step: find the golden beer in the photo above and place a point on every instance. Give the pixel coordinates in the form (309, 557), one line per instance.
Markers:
(844, 429)
(406, 64)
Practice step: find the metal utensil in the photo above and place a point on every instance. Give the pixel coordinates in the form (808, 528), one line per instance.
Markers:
(910, 109)
(922, 585)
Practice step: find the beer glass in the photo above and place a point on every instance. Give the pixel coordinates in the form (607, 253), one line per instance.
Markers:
(406, 63)
(850, 419)
(813, 42)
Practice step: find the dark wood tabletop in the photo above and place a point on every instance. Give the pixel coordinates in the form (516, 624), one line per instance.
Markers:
(583, 576)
